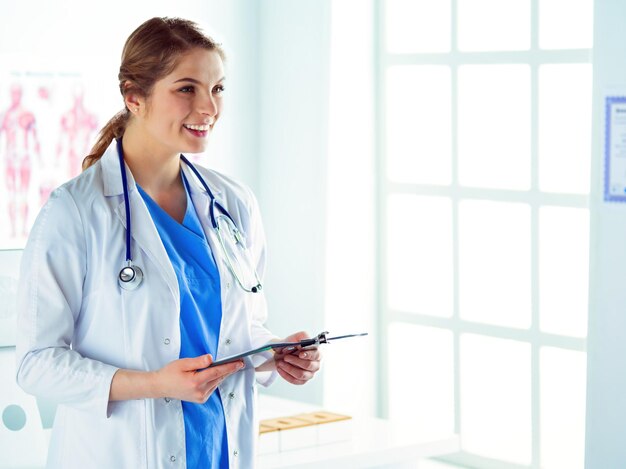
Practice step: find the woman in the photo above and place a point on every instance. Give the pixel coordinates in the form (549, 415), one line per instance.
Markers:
(128, 291)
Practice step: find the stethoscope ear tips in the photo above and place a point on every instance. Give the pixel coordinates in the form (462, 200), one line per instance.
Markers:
(130, 277)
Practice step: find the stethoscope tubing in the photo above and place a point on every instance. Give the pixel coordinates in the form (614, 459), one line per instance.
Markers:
(214, 202)
(131, 276)
(126, 199)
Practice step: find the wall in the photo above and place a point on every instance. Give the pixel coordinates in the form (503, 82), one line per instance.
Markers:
(317, 187)
(606, 388)
(293, 152)
(350, 368)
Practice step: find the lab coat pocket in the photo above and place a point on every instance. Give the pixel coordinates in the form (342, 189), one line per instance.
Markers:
(121, 438)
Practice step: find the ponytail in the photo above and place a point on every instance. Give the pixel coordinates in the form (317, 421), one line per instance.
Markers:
(113, 129)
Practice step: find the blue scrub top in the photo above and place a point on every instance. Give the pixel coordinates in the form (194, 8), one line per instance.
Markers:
(200, 318)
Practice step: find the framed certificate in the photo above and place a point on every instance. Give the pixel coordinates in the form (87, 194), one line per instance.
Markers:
(615, 149)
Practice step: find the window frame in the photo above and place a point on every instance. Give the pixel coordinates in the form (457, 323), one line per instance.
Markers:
(534, 57)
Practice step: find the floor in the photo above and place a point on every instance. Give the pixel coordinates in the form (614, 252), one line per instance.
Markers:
(432, 464)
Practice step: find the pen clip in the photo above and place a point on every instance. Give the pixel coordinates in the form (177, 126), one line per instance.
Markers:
(321, 338)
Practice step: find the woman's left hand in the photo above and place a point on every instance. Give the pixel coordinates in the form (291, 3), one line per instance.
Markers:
(298, 367)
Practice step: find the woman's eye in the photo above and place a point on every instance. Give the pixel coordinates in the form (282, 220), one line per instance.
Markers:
(219, 89)
(186, 89)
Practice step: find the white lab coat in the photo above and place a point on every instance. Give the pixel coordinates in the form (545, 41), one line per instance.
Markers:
(76, 326)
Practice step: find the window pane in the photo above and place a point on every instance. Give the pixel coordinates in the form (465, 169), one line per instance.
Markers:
(495, 398)
(494, 263)
(419, 124)
(426, 409)
(563, 270)
(563, 381)
(419, 246)
(565, 127)
(485, 25)
(414, 26)
(565, 24)
(494, 126)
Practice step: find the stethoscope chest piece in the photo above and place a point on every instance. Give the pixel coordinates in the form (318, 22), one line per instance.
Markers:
(130, 277)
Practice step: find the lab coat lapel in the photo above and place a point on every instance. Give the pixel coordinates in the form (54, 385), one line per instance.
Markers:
(146, 237)
(201, 200)
(144, 233)
(202, 203)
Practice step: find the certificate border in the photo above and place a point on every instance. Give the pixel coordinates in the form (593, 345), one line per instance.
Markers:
(609, 102)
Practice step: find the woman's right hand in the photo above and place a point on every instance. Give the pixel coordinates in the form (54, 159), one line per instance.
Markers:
(181, 379)
(187, 379)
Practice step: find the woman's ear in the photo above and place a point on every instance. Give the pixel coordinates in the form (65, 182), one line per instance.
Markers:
(134, 102)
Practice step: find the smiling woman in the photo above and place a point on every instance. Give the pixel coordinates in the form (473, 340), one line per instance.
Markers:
(152, 52)
(127, 356)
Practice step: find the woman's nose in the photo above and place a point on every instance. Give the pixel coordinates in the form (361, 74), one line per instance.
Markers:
(208, 105)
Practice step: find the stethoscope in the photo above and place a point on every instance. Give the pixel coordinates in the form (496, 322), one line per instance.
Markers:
(131, 275)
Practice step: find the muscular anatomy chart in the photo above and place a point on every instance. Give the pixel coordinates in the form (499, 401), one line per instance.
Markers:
(18, 135)
(47, 127)
(76, 135)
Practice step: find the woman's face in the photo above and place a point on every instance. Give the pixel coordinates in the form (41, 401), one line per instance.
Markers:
(184, 105)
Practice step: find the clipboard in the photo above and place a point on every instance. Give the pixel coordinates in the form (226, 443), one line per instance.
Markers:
(288, 347)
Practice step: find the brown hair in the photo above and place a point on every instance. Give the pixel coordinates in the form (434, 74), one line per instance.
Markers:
(150, 53)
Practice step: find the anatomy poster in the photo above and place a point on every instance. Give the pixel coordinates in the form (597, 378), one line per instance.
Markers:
(49, 120)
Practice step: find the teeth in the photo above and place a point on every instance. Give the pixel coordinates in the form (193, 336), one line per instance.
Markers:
(202, 128)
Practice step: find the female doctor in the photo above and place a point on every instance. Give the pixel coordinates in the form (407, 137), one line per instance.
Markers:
(144, 268)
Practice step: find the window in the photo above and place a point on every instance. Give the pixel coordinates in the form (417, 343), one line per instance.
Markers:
(484, 125)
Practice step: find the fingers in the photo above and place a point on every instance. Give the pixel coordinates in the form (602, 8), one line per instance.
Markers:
(302, 357)
(208, 380)
(289, 378)
(297, 366)
(217, 372)
(196, 363)
(209, 388)
(310, 354)
(292, 373)
(203, 391)
(303, 363)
